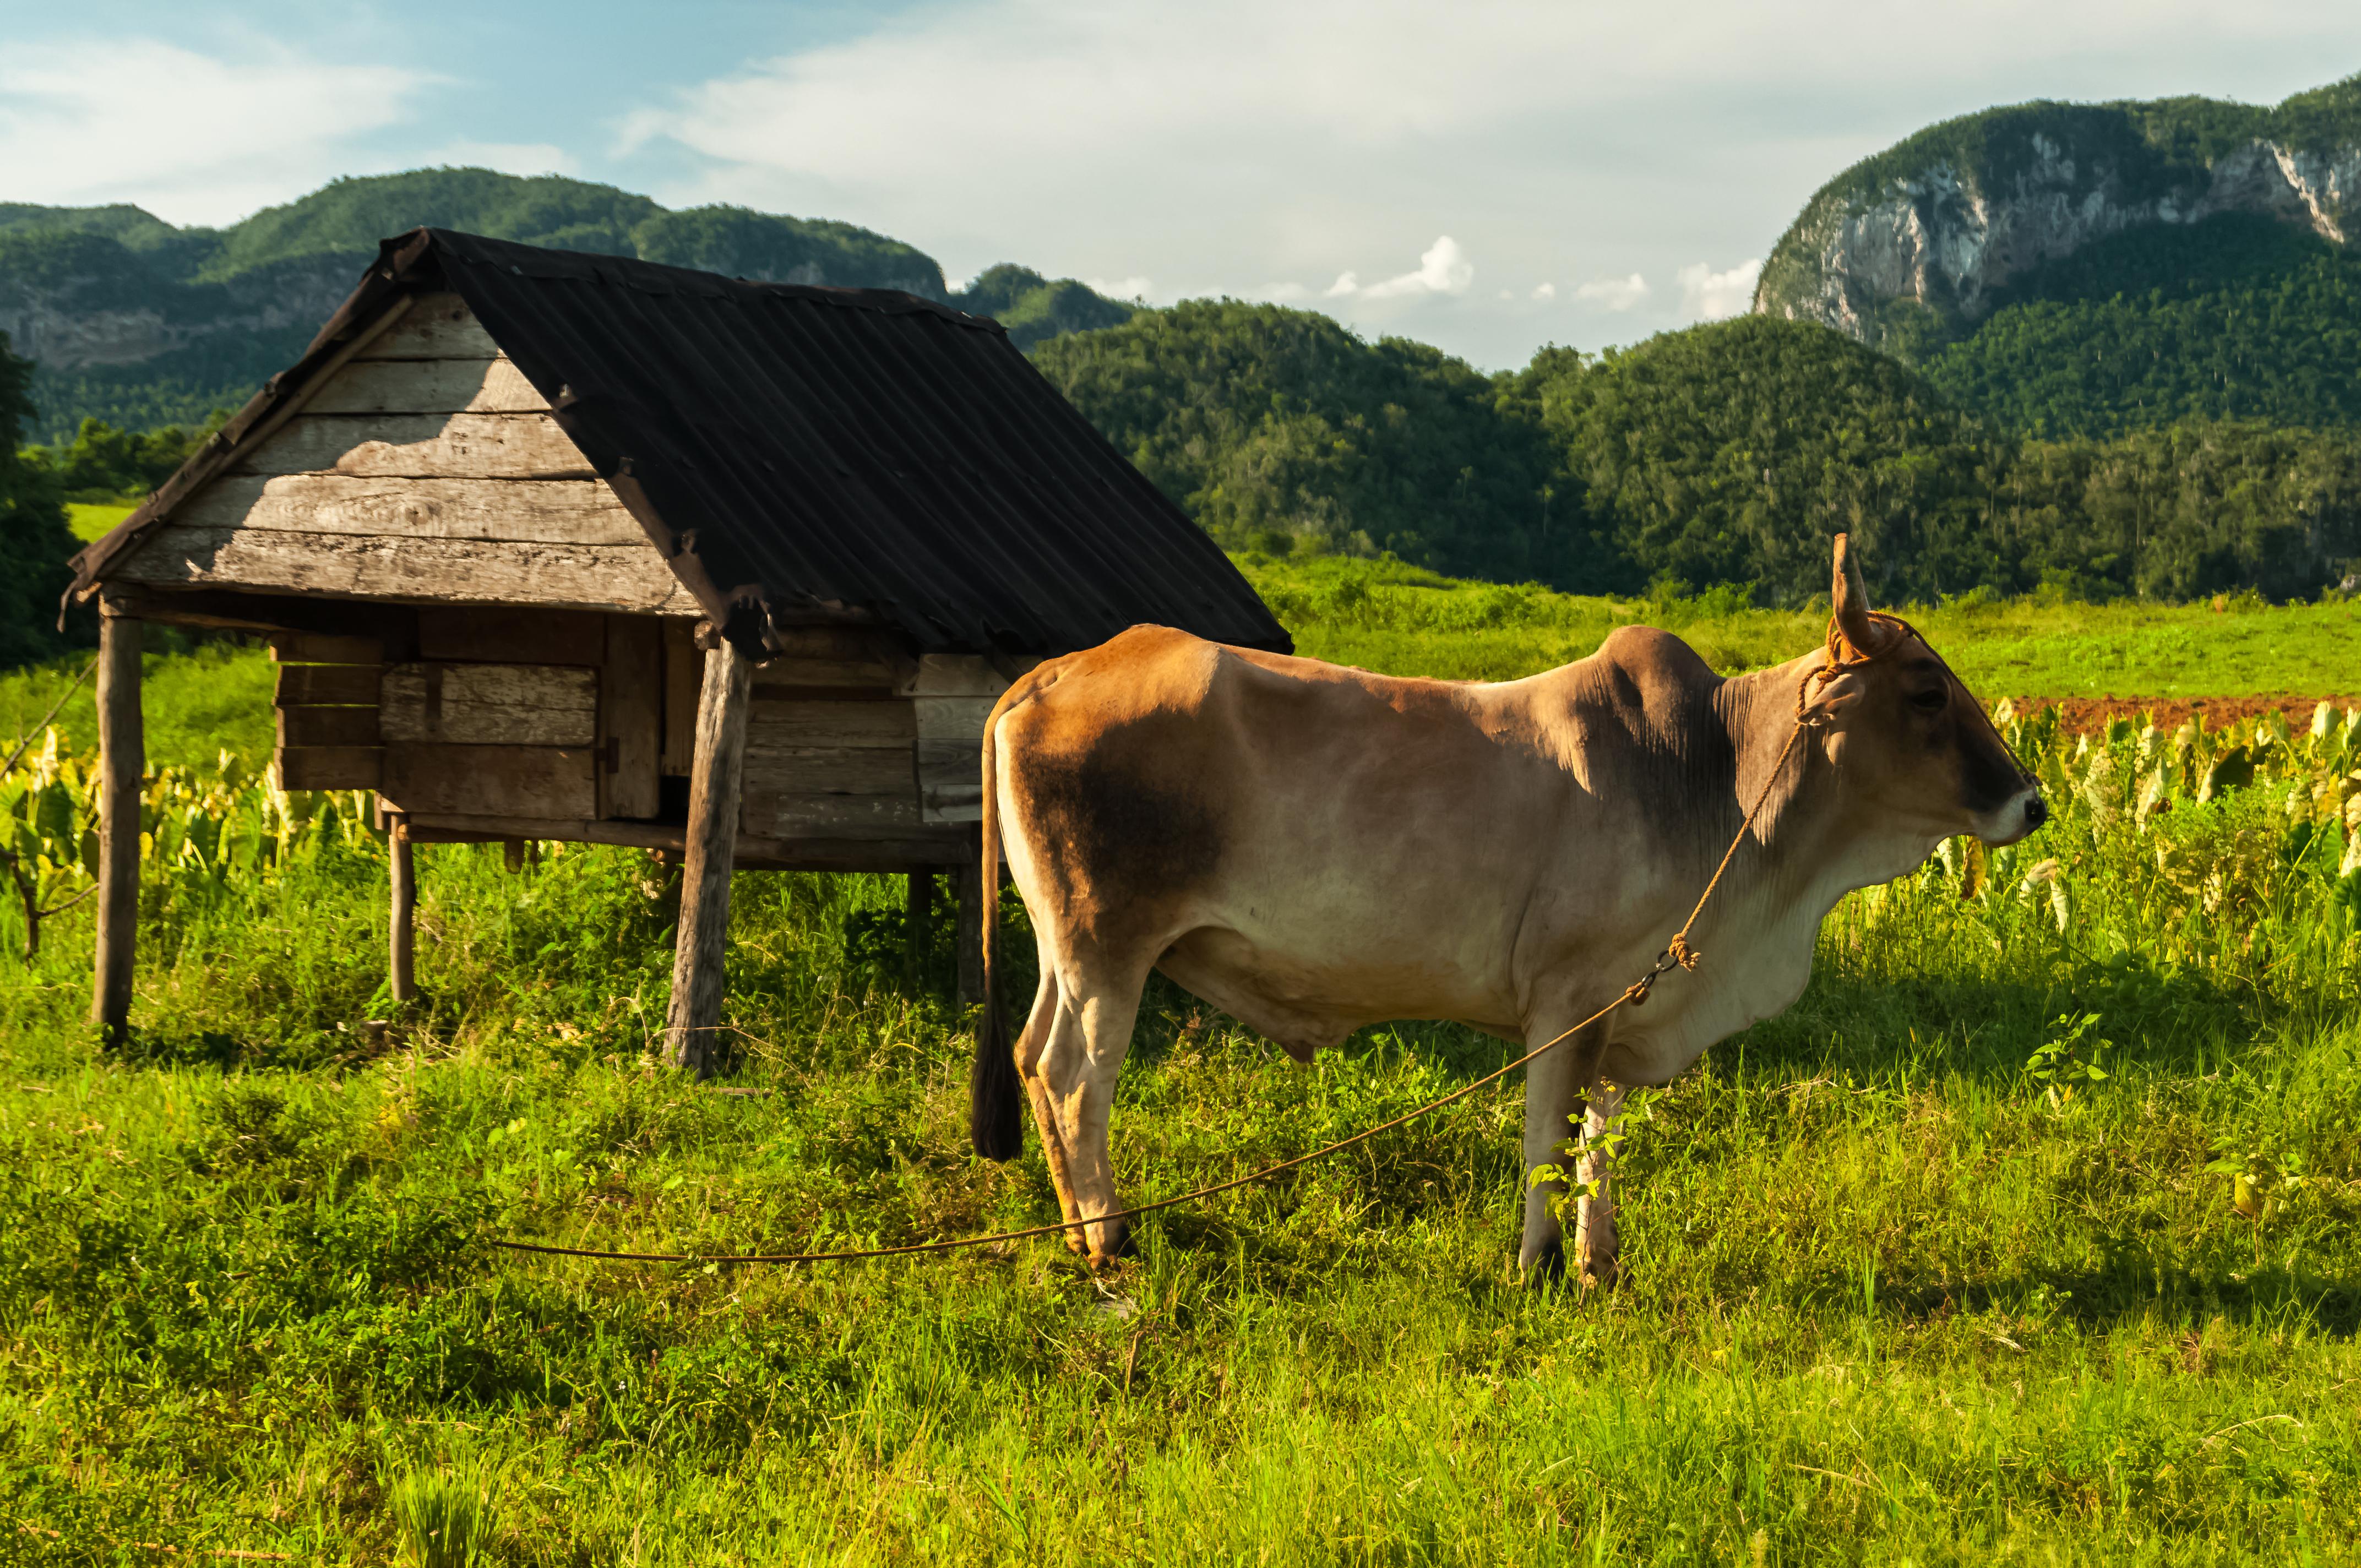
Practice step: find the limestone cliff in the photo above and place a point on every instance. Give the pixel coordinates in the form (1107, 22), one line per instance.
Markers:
(1905, 249)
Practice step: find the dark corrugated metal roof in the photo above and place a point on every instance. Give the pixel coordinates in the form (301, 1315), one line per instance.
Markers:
(804, 452)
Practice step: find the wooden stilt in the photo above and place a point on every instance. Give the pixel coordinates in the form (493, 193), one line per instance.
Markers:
(917, 929)
(970, 880)
(711, 846)
(122, 763)
(400, 953)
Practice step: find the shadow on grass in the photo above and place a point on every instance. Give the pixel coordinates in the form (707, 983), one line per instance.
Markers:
(2129, 1284)
(2167, 1020)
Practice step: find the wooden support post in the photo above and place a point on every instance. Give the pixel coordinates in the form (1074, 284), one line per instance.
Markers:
(917, 929)
(400, 934)
(121, 765)
(711, 846)
(971, 916)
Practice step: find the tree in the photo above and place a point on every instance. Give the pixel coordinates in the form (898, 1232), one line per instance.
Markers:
(34, 540)
(1279, 430)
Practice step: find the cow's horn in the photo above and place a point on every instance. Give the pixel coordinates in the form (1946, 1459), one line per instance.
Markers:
(1850, 596)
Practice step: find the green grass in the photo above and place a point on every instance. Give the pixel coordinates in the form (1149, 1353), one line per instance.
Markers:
(90, 520)
(1888, 1299)
(195, 701)
(1410, 621)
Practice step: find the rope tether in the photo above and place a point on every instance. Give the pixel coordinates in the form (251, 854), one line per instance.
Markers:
(1678, 954)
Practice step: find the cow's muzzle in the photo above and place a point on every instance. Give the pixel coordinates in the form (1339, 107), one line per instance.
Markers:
(2012, 820)
(2015, 820)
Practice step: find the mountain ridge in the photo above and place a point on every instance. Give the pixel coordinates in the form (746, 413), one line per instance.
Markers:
(141, 323)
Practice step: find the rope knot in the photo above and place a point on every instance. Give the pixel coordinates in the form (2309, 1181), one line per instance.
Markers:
(1681, 953)
(1636, 994)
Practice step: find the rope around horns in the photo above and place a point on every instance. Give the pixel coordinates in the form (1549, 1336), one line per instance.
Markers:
(1843, 656)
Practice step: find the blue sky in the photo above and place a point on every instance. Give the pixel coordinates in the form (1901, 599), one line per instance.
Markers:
(1488, 177)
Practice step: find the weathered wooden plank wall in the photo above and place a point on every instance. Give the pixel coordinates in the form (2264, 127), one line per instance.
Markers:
(327, 711)
(490, 705)
(427, 469)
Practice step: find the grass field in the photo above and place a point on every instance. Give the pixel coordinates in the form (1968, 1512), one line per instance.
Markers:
(1409, 621)
(1893, 1296)
(89, 519)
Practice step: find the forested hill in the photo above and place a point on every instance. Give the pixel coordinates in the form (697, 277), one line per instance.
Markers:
(133, 320)
(2090, 269)
(1724, 453)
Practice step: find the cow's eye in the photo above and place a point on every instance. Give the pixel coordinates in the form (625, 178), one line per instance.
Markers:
(1930, 700)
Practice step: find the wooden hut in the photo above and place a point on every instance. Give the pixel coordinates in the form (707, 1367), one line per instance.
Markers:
(560, 546)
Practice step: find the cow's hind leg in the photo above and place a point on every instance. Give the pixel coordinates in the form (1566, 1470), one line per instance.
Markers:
(1048, 1015)
(1074, 1083)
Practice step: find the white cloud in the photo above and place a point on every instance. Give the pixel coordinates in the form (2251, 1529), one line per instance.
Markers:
(526, 158)
(1443, 268)
(193, 138)
(1708, 295)
(1120, 288)
(1545, 291)
(1615, 294)
(1232, 141)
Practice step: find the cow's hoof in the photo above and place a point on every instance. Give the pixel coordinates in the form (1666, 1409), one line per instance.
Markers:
(1599, 1275)
(1126, 1245)
(1545, 1267)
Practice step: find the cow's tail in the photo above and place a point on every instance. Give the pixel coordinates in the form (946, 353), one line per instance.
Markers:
(994, 1097)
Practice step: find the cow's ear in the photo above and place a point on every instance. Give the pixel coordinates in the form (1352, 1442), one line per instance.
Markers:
(1850, 597)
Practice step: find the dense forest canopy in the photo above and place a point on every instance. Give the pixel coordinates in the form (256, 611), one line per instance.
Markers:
(2238, 317)
(1725, 453)
(1729, 453)
(1278, 429)
(105, 465)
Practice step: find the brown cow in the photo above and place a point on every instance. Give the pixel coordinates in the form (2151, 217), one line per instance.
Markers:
(1313, 849)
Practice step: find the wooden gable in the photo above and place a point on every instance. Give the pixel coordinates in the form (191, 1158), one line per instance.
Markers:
(524, 666)
(425, 469)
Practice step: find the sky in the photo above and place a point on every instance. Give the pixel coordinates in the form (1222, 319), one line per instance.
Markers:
(1490, 178)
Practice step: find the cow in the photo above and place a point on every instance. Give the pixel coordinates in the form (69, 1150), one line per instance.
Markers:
(1313, 849)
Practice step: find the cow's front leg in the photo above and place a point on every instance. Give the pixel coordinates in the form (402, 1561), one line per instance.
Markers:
(1552, 1086)
(1593, 1223)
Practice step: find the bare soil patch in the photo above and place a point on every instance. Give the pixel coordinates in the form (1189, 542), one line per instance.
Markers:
(2081, 713)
